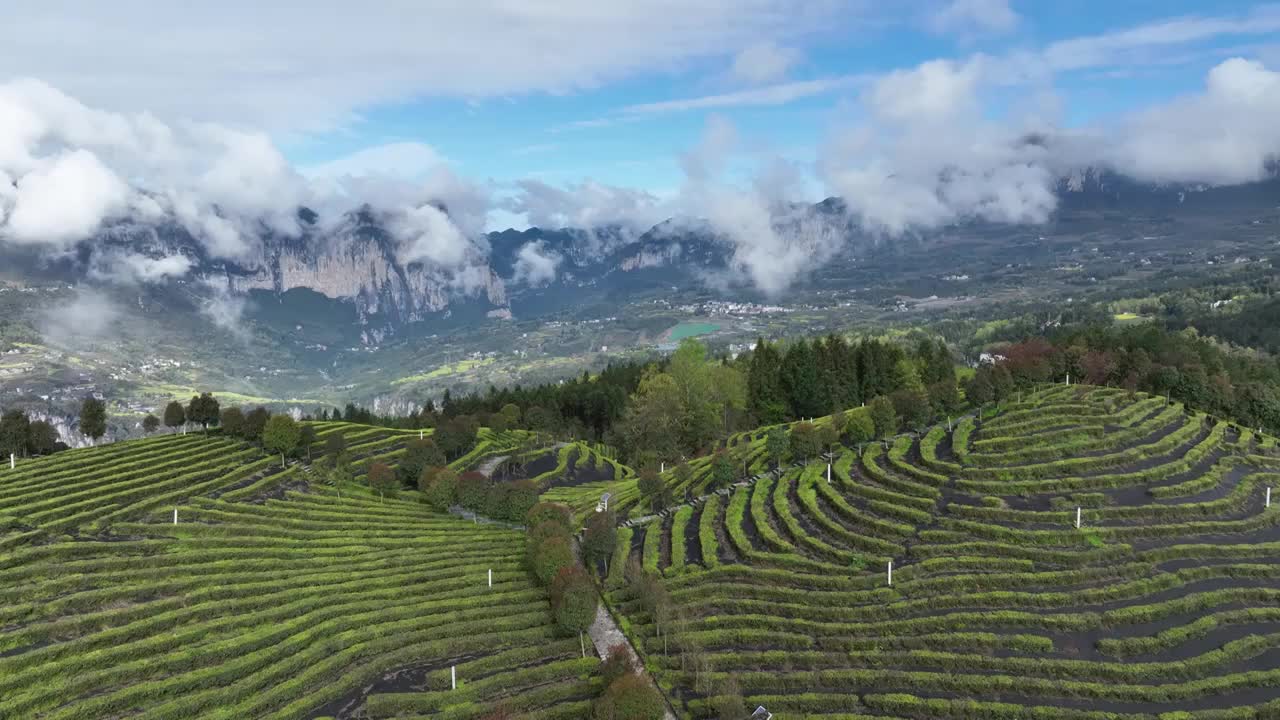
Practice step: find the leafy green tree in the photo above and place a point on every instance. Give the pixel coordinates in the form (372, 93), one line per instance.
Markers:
(682, 474)
(281, 435)
(649, 483)
(653, 421)
(336, 471)
(805, 442)
(93, 418)
(574, 601)
(776, 445)
(473, 491)
(600, 538)
(723, 469)
(440, 485)
(306, 438)
(233, 422)
(828, 435)
(203, 409)
(456, 436)
(382, 479)
(418, 456)
(42, 438)
(860, 427)
(335, 444)
(150, 424)
(15, 432)
(520, 498)
(944, 397)
(555, 513)
(175, 416)
(663, 499)
(255, 422)
(911, 406)
(980, 389)
(551, 555)
(883, 416)
(510, 415)
(630, 697)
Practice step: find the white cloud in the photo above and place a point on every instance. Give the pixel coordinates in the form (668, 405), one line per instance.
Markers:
(224, 308)
(63, 198)
(131, 267)
(1133, 45)
(430, 237)
(773, 237)
(66, 169)
(1224, 135)
(763, 63)
(933, 89)
(927, 156)
(271, 65)
(779, 94)
(588, 204)
(968, 17)
(536, 264)
(87, 317)
(403, 160)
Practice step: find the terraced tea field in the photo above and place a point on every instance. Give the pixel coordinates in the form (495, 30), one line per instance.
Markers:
(1164, 602)
(267, 598)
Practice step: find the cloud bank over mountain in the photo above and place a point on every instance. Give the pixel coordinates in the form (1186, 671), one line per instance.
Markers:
(978, 136)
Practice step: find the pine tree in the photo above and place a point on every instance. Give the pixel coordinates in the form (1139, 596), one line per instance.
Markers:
(765, 397)
(801, 381)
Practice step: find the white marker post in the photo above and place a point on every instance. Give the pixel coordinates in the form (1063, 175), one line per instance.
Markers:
(12, 462)
(663, 467)
(453, 677)
(891, 573)
(1077, 517)
(490, 577)
(175, 516)
(420, 434)
(828, 473)
(1068, 378)
(1268, 496)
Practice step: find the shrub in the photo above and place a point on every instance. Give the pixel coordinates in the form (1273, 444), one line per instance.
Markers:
(630, 697)
(521, 498)
(550, 556)
(418, 456)
(601, 536)
(616, 664)
(545, 512)
(440, 486)
(473, 491)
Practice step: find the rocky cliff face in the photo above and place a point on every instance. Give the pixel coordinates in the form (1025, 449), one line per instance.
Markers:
(354, 261)
(358, 262)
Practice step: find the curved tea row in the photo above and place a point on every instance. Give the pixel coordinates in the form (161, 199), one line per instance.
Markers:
(1162, 603)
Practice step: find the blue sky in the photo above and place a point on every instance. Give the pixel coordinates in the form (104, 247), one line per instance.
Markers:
(577, 112)
(566, 137)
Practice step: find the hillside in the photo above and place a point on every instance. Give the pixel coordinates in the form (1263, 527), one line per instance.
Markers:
(279, 595)
(1163, 600)
(268, 598)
